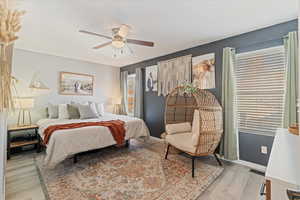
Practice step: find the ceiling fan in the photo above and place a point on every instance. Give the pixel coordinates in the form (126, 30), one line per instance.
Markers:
(118, 39)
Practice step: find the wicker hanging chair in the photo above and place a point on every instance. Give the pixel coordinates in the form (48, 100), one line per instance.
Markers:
(180, 108)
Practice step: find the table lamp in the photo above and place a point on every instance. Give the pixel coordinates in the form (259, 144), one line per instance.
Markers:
(24, 104)
(117, 109)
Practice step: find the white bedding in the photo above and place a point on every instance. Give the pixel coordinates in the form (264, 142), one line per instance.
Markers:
(64, 143)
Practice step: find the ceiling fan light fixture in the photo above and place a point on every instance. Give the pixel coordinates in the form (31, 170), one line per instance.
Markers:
(123, 31)
(118, 44)
(119, 39)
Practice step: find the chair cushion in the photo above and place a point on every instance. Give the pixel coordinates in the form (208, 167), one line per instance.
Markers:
(178, 128)
(196, 127)
(182, 141)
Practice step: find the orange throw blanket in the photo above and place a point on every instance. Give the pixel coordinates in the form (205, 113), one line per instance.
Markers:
(116, 128)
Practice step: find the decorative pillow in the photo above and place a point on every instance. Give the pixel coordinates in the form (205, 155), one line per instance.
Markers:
(52, 111)
(178, 128)
(86, 112)
(63, 111)
(100, 109)
(97, 107)
(196, 127)
(93, 107)
(73, 111)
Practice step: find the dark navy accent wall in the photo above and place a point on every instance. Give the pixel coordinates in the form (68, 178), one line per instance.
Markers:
(250, 147)
(259, 39)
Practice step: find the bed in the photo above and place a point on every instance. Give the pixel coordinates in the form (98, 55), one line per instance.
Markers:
(65, 143)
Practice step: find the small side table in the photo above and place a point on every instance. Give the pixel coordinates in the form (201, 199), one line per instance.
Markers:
(11, 145)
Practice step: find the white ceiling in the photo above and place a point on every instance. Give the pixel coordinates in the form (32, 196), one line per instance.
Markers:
(51, 26)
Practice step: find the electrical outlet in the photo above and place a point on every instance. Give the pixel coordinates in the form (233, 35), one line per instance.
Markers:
(264, 149)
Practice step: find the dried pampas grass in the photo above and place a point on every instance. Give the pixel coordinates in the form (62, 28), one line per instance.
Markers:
(9, 26)
(6, 101)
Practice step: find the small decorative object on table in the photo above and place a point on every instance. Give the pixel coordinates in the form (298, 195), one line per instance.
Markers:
(294, 129)
(35, 141)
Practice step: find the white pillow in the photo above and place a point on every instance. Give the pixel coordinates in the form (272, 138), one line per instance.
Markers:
(178, 128)
(196, 127)
(100, 109)
(86, 112)
(97, 107)
(93, 107)
(63, 111)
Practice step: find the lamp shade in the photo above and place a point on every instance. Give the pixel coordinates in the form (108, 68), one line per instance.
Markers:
(24, 103)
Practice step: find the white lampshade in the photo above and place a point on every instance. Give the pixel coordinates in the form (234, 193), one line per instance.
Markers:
(116, 100)
(24, 102)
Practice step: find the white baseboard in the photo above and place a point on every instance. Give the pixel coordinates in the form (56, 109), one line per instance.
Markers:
(251, 165)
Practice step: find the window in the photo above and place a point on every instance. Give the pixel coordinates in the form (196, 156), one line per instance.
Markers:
(130, 94)
(260, 83)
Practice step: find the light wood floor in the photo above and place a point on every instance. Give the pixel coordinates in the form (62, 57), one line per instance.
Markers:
(235, 183)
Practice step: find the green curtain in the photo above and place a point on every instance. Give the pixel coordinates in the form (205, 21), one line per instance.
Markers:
(228, 147)
(292, 73)
(123, 87)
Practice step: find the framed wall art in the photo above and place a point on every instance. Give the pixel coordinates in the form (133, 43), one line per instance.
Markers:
(203, 69)
(151, 78)
(76, 84)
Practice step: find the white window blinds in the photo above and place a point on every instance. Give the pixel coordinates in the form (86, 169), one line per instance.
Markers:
(260, 83)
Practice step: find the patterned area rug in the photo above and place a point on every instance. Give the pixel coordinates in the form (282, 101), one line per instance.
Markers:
(136, 173)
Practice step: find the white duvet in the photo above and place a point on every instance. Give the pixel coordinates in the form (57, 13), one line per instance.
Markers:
(64, 143)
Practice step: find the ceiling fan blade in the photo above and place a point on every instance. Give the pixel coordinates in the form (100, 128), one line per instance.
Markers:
(140, 42)
(96, 34)
(102, 45)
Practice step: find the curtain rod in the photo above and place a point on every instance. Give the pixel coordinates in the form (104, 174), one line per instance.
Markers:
(174, 58)
(283, 37)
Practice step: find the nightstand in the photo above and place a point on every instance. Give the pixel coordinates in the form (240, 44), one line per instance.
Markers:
(11, 145)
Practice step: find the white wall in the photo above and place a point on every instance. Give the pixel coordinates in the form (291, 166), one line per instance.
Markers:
(26, 64)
